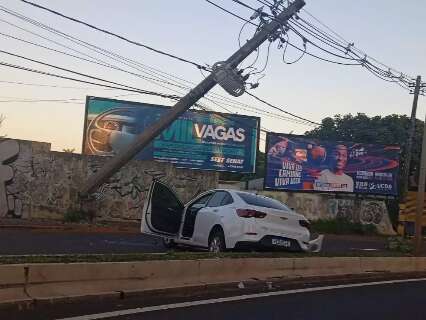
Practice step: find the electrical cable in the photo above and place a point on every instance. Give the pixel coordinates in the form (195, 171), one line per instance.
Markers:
(5, 64)
(199, 66)
(49, 86)
(265, 65)
(69, 70)
(266, 62)
(282, 110)
(80, 58)
(327, 42)
(107, 54)
(229, 12)
(241, 31)
(285, 51)
(95, 60)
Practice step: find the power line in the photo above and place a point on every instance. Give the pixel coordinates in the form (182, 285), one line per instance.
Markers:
(50, 29)
(109, 54)
(76, 57)
(245, 5)
(282, 110)
(104, 52)
(346, 42)
(48, 85)
(79, 73)
(382, 74)
(246, 109)
(199, 66)
(257, 98)
(5, 64)
(230, 12)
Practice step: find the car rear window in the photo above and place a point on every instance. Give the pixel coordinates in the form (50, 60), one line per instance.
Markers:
(260, 201)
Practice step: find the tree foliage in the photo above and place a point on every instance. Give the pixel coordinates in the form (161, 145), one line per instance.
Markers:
(260, 171)
(2, 117)
(68, 150)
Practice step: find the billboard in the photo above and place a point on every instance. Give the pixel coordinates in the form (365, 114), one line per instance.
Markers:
(298, 163)
(196, 140)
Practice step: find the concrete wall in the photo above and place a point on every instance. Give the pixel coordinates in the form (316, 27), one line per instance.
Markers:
(325, 206)
(38, 183)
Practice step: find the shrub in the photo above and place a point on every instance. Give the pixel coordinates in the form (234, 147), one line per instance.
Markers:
(342, 226)
(400, 244)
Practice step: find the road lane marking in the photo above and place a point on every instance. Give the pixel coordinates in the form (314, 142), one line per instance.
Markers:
(118, 313)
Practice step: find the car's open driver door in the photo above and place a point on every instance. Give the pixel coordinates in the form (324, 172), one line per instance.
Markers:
(162, 212)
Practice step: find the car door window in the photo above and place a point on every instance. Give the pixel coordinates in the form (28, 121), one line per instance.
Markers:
(201, 201)
(227, 200)
(262, 201)
(166, 210)
(218, 199)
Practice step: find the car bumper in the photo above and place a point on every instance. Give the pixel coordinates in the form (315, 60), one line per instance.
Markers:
(277, 243)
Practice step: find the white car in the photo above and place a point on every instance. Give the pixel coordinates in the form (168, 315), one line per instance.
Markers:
(223, 219)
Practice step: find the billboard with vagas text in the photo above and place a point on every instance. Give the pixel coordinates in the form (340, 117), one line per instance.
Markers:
(196, 140)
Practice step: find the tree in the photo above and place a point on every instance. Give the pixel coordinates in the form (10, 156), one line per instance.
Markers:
(68, 150)
(260, 171)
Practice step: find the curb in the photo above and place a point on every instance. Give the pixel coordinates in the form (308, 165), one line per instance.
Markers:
(214, 290)
(40, 282)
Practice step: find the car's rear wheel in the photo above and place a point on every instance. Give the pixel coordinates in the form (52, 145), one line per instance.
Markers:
(169, 243)
(217, 242)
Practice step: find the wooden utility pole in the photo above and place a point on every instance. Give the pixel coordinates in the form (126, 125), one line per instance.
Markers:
(141, 141)
(411, 133)
(418, 237)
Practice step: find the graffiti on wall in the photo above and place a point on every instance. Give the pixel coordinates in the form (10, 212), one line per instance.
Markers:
(9, 151)
(38, 183)
(316, 206)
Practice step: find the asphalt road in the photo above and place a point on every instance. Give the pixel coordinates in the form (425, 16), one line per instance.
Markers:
(399, 300)
(28, 241)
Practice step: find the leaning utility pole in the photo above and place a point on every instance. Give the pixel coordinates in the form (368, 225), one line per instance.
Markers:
(412, 131)
(418, 237)
(222, 74)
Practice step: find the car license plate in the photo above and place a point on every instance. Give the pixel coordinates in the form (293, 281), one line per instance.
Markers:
(281, 243)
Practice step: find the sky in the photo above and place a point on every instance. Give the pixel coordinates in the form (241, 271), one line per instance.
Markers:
(194, 29)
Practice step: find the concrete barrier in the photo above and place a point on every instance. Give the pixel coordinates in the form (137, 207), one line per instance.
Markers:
(50, 281)
(318, 266)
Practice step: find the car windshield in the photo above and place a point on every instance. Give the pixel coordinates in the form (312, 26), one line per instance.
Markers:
(262, 201)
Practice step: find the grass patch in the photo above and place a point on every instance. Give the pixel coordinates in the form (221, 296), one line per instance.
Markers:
(74, 216)
(342, 226)
(93, 258)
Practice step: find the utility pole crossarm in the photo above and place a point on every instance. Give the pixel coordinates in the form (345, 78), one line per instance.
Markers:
(188, 100)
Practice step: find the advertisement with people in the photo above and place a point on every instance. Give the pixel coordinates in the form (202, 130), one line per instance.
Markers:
(196, 140)
(298, 163)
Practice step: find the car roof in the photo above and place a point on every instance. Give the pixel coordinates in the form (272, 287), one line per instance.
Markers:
(236, 191)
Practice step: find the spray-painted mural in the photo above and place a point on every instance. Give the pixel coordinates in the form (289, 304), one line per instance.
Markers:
(323, 206)
(9, 151)
(38, 183)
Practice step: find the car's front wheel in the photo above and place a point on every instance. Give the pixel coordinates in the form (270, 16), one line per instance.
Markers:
(217, 242)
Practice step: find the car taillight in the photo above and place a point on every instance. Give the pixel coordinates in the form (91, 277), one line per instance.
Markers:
(305, 224)
(249, 213)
